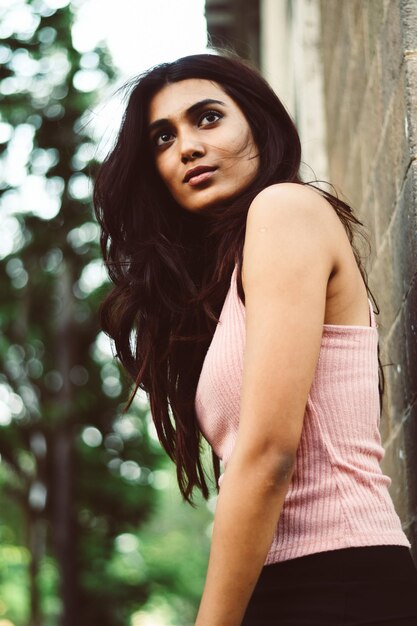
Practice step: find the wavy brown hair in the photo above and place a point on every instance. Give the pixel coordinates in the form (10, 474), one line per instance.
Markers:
(171, 268)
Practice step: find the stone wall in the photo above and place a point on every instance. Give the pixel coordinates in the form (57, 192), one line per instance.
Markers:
(369, 54)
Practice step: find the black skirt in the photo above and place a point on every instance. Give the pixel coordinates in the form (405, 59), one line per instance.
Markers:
(365, 586)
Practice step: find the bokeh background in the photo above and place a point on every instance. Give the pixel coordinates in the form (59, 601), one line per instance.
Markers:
(92, 527)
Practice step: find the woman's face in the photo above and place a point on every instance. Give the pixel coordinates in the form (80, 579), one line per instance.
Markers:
(203, 146)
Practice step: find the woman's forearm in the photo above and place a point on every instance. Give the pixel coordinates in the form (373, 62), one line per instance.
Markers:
(248, 508)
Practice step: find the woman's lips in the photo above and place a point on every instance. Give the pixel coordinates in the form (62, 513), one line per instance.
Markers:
(200, 178)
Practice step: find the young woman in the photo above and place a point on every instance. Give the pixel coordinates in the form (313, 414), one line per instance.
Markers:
(241, 307)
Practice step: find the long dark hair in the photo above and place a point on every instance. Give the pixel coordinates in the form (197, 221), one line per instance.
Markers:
(170, 267)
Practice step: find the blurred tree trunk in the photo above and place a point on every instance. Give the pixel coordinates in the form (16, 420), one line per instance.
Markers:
(37, 547)
(64, 522)
(64, 533)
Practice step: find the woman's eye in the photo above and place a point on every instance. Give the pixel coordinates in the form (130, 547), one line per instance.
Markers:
(211, 117)
(161, 139)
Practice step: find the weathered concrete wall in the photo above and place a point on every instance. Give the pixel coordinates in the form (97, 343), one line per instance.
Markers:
(290, 53)
(369, 52)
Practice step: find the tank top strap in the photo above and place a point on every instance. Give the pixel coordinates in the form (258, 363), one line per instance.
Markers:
(372, 315)
(233, 281)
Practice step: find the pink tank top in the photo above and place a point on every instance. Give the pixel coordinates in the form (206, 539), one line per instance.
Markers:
(338, 496)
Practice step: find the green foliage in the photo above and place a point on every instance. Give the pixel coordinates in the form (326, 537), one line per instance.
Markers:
(14, 579)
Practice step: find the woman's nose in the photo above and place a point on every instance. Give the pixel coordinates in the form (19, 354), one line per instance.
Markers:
(191, 148)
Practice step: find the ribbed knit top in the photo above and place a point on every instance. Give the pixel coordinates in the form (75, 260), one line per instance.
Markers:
(338, 496)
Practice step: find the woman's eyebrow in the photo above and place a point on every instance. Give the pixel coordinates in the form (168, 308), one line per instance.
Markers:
(194, 107)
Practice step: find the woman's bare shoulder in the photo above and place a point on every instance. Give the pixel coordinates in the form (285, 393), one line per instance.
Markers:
(298, 201)
(296, 193)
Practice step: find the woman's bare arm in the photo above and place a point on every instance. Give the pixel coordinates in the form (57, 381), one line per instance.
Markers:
(288, 258)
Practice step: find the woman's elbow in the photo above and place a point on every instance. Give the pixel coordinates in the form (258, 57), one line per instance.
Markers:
(275, 466)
